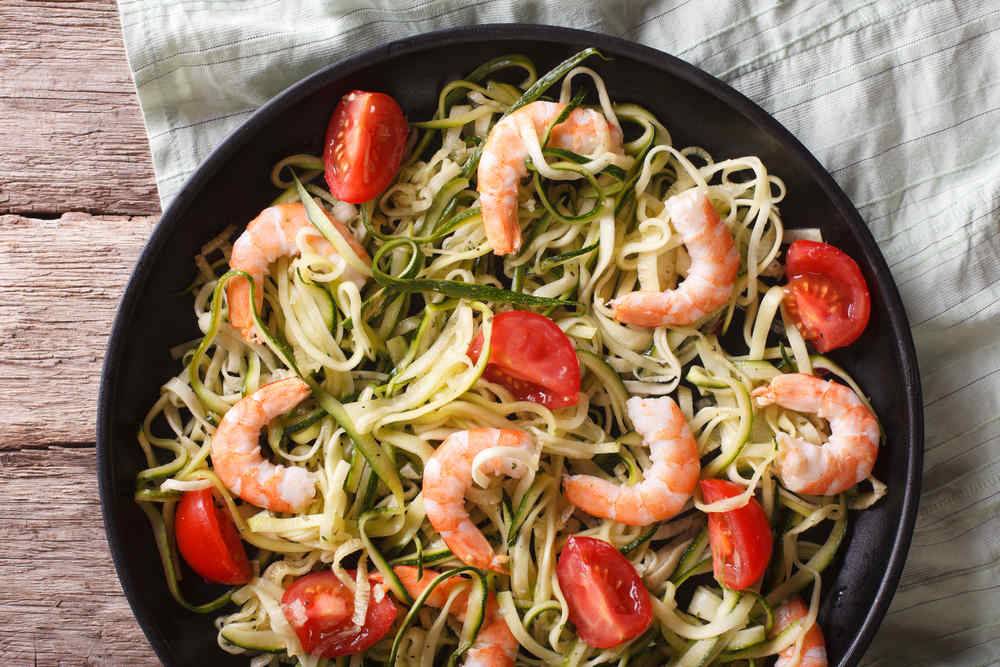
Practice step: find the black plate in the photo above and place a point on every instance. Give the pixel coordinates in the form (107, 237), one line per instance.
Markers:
(233, 185)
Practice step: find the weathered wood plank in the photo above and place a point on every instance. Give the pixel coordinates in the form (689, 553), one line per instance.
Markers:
(60, 283)
(60, 601)
(70, 126)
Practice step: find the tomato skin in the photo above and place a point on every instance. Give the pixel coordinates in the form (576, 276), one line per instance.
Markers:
(532, 357)
(319, 606)
(827, 295)
(364, 146)
(741, 539)
(607, 600)
(208, 540)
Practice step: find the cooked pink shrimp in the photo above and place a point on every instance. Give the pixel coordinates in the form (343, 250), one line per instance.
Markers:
(709, 282)
(813, 653)
(236, 455)
(849, 454)
(502, 166)
(495, 646)
(269, 236)
(447, 477)
(667, 484)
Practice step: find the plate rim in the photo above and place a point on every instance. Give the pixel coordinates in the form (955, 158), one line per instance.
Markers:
(661, 60)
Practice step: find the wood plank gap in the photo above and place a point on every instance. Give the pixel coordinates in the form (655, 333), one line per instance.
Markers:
(54, 214)
(45, 446)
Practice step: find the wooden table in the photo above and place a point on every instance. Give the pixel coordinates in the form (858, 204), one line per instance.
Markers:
(77, 202)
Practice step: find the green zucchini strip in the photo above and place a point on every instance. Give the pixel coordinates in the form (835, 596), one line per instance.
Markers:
(405, 282)
(478, 616)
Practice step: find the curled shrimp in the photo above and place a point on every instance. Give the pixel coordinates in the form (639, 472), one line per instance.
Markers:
(846, 458)
(447, 478)
(269, 236)
(813, 653)
(495, 646)
(709, 282)
(236, 455)
(503, 162)
(667, 484)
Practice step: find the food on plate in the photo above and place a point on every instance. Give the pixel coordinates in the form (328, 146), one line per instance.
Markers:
(504, 160)
(713, 263)
(812, 651)
(208, 540)
(827, 295)
(238, 461)
(274, 234)
(532, 357)
(740, 538)
(327, 619)
(846, 457)
(448, 478)
(494, 645)
(667, 482)
(365, 142)
(520, 383)
(608, 603)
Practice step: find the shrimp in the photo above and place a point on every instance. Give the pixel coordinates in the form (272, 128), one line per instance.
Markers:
(495, 646)
(236, 455)
(849, 454)
(502, 166)
(709, 282)
(813, 653)
(667, 484)
(269, 236)
(447, 477)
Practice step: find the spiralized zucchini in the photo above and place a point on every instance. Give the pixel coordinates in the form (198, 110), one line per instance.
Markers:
(391, 361)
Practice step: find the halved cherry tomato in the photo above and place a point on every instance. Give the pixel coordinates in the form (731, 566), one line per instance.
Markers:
(364, 146)
(741, 539)
(208, 540)
(532, 357)
(607, 601)
(319, 608)
(826, 295)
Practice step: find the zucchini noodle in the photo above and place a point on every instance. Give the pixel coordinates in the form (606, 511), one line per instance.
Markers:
(390, 379)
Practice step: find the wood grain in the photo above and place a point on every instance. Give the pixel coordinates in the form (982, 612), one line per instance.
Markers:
(60, 283)
(72, 140)
(70, 127)
(60, 601)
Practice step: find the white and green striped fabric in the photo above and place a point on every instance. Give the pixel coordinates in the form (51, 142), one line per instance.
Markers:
(899, 99)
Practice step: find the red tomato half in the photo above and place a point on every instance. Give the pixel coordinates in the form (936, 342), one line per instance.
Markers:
(826, 295)
(741, 539)
(364, 146)
(208, 540)
(532, 357)
(319, 607)
(607, 601)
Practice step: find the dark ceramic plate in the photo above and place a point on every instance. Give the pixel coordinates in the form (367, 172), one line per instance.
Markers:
(233, 185)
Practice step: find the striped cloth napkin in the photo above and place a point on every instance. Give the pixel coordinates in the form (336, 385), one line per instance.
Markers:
(899, 99)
